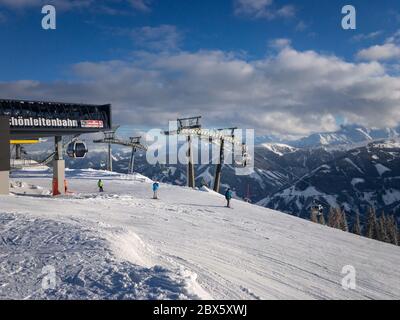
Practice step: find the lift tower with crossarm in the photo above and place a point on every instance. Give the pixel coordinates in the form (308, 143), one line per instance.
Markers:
(136, 145)
(133, 142)
(185, 127)
(191, 127)
(109, 139)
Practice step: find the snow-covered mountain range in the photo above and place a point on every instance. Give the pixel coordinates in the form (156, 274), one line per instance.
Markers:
(355, 180)
(347, 135)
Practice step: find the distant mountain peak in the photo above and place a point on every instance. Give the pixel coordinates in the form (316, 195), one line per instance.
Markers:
(279, 148)
(350, 134)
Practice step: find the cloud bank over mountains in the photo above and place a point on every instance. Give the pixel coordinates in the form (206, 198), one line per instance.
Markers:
(289, 92)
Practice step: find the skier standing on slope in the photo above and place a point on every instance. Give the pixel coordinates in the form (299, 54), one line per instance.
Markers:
(156, 186)
(228, 197)
(100, 184)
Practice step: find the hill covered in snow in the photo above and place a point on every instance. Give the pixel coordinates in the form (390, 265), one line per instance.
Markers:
(124, 245)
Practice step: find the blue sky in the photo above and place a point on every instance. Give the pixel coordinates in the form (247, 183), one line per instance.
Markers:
(83, 34)
(148, 45)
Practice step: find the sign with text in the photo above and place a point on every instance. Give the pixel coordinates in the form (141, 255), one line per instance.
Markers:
(32, 119)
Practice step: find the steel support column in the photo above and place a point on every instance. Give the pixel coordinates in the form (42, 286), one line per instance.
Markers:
(190, 170)
(4, 155)
(58, 168)
(218, 169)
(109, 158)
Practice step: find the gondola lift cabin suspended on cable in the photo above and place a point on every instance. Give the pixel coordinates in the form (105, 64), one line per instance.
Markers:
(77, 149)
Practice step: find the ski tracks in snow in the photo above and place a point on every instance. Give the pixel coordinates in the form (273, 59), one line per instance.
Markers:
(187, 245)
(85, 267)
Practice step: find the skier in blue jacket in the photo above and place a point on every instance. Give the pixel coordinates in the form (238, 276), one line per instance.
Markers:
(228, 197)
(156, 186)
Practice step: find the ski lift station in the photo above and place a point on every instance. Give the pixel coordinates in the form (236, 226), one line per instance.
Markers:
(22, 121)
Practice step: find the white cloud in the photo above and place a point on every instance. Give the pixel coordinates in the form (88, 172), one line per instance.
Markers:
(386, 51)
(104, 6)
(286, 11)
(280, 43)
(262, 9)
(157, 38)
(368, 36)
(301, 26)
(292, 92)
(164, 37)
(395, 38)
(20, 3)
(59, 4)
(141, 5)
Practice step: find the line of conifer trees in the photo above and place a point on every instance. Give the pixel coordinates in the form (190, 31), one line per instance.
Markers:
(383, 228)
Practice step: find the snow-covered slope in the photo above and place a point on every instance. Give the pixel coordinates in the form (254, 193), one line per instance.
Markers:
(123, 244)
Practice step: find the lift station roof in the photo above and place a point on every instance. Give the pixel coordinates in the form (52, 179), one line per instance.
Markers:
(35, 119)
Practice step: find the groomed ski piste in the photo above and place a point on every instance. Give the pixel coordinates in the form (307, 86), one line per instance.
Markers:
(122, 244)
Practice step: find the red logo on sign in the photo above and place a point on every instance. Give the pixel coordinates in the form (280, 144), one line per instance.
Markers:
(92, 124)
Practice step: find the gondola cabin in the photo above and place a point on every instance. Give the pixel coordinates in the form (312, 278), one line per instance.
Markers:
(77, 149)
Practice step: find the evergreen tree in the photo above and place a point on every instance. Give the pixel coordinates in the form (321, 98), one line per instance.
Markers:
(356, 226)
(398, 237)
(343, 225)
(337, 220)
(392, 230)
(382, 228)
(321, 219)
(314, 216)
(331, 218)
(371, 227)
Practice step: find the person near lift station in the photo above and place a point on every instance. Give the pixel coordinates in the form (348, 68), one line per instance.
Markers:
(156, 186)
(100, 184)
(228, 197)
